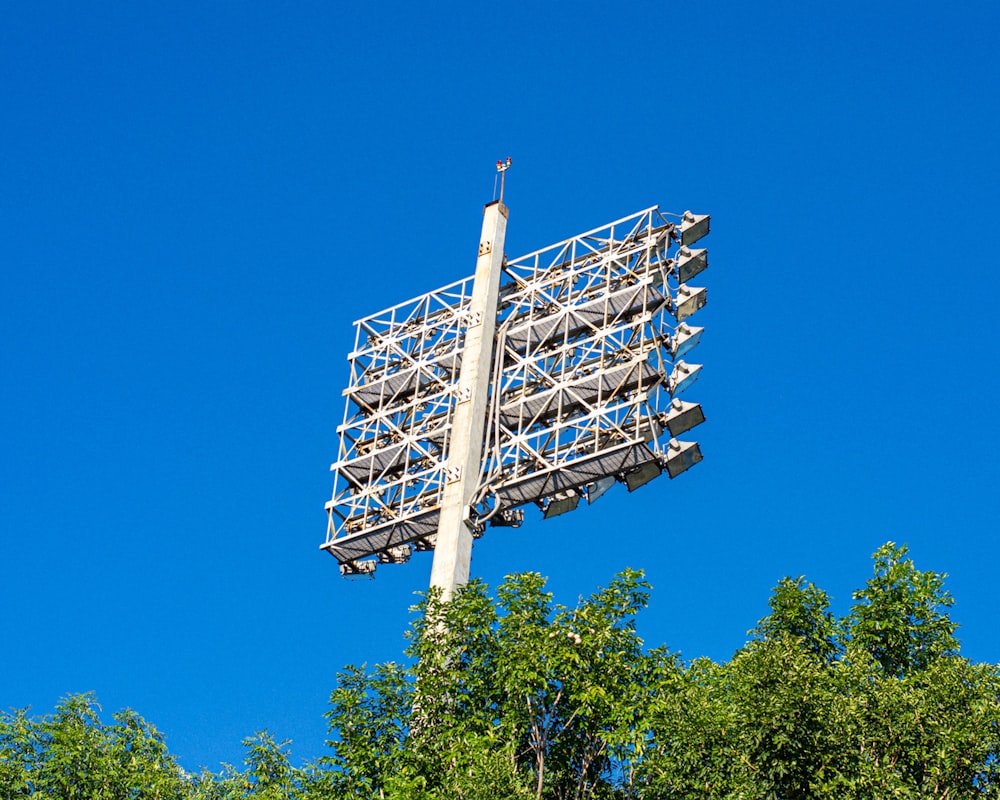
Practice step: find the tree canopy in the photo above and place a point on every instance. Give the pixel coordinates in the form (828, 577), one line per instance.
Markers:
(509, 694)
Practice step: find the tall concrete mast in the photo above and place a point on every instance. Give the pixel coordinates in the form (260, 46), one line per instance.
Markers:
(453, 549)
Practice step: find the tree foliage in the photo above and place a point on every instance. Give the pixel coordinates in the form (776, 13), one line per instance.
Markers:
(72, 754)
(537, 699)
(511, 695)
(900, 619)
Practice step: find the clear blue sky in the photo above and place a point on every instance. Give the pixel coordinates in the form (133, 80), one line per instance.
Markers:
(196, 201)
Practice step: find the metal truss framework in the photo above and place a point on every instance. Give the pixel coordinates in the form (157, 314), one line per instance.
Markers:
(587, 366)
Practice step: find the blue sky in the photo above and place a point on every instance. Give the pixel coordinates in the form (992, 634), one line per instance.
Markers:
(197, 200)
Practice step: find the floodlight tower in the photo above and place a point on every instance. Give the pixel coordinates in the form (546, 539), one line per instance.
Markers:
(541, 380)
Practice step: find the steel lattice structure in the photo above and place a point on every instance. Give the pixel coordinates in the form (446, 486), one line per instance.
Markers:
(587, 365)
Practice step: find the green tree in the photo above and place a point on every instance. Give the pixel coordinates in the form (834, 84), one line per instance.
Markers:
(901, 619)
(801, 611)
(270, 774)
(72, 754)
(516, 696)
(139, 762)
(21, 751)
(227, 784)
(877, 704)
(529, 692)
(689, 723)
(76, 761)
(369, 719)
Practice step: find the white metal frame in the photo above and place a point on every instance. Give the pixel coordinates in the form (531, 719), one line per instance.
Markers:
(584, 371)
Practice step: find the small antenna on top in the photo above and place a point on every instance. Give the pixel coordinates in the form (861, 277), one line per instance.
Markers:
(502, 167)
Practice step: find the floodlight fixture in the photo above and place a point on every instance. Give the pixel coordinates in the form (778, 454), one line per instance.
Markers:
(689, 300)
(682, 416)
(358, 570)
(396, 555)
(599, 487)
(690, 263)
(683, 376)
(684, 340)
(681, 456)
(508, 518)
(562, 502)
(642, 475)
(693, 227)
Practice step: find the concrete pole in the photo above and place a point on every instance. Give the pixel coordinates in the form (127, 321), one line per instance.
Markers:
(453, 550)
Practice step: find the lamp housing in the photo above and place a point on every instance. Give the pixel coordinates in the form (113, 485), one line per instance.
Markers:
(508, 518)
(693, 227)
(642, 475)
(395, 555)
(680, 457)
(689, 300)
(682, 377)
(561, 503)
(690, 263)
(682, 416)
(358, 570)
(684, 340)
(599, 487)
